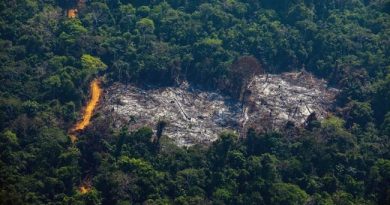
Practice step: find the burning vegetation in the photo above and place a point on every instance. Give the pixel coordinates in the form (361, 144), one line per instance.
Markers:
(88, 111)
(72, 13)
(72, 7)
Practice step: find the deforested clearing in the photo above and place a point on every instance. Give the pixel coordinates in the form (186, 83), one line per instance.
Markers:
(195, 116)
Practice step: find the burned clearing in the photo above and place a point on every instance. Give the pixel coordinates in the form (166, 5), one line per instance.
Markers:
(194, 116)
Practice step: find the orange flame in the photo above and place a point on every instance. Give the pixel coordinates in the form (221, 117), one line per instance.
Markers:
(84, 189)
(72, 13)
(88, 112)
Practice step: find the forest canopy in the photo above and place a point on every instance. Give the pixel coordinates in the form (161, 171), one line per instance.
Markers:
(48, 58)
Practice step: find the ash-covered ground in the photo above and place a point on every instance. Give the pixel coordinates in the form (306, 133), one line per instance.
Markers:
(198, 117)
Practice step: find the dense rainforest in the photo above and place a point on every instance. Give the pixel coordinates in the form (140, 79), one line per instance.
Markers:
(50, 51)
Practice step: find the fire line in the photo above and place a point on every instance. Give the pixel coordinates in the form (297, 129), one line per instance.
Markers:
(88, 111)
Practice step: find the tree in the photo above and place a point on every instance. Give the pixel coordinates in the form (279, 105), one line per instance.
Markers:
(242, 71)
(160, 128)
(386, 125)
(46, 59)
(190, 182)
(70, 32)
(222, 195)
(143, 11)
(379, 181)
(312, 122)
(92, 197)
(269, 168)
(92, 63)
(146, 26)
(147, 179)
(287, 194)
(9, 143)
(221, 148)
(381, 99)
(30, 107)
(359, 112)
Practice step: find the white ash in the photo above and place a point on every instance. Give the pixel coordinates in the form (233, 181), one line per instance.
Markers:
(198, 117)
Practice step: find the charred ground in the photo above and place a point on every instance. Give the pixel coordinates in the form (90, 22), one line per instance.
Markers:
(193, 116)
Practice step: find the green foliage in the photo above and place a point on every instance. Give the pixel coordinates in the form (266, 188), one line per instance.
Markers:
(386, 124)
(380, 176)
(90, 198)
(30, 107)
(360, 113)
(333, 122)
(146, 25)
(143, 11)
(287, 194)
(212, 42)
(72, 30)
(222, 195)
(92, 64)
(190, 182)
(47, 61)
(136, 165)
(381, 98)
(9, 138)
